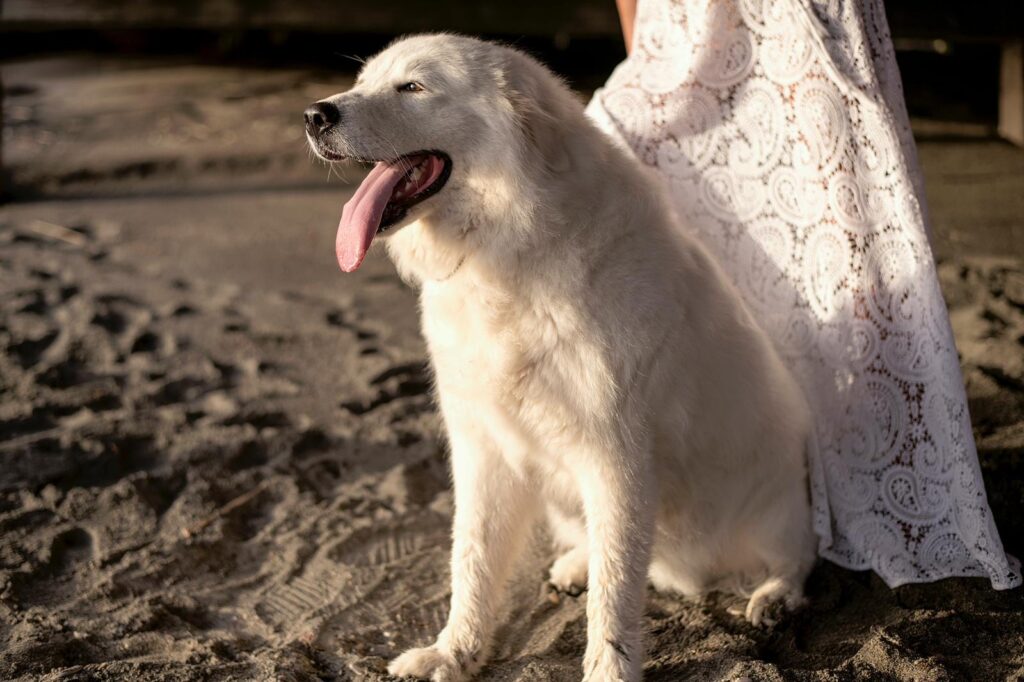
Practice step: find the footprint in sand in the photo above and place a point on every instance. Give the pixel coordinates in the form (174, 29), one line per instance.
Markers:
(61, 578)
(366, 339)
(406, 383)
(350, 590)
(29, 352)
(128, 322)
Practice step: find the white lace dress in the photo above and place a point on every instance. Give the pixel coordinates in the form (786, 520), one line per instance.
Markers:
(780, 128)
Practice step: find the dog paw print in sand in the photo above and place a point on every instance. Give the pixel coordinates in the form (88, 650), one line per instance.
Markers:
(403, 388)
(127, 321)
(66, 567)
(367, 340)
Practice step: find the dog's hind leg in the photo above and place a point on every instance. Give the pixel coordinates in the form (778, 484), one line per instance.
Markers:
(568, 573)
(788, 551)
(785, 591)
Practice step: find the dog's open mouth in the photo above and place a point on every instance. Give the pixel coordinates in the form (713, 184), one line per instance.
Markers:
(384, 198)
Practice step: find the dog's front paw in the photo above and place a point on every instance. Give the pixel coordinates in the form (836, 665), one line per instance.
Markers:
(428, 663)
(611, 662)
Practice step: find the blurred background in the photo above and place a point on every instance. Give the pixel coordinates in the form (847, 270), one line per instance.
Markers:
(230, 119)
(218, 456)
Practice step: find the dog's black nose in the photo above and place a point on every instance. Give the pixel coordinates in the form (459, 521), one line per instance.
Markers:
(321, 116)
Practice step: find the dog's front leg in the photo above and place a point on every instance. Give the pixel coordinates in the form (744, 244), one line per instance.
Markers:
(494, 508)
(618, 494)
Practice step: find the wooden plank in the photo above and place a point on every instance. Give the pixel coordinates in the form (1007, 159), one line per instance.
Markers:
(583, 18)
(1011, 92)
(3, 173)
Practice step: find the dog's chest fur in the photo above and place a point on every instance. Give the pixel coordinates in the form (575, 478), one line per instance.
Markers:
(522, 362)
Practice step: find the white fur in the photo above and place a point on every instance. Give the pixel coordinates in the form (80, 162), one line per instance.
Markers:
(591, 361)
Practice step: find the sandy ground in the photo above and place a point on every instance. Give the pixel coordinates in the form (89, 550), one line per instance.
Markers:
(219, 459)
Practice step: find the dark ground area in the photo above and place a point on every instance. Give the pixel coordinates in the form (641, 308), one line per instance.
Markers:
(219, 459)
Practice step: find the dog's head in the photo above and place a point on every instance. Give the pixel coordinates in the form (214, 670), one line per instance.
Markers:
(458, 131)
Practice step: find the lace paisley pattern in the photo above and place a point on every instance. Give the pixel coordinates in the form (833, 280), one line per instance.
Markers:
(780, 128)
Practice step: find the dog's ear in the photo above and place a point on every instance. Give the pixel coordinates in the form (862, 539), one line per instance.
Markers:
(538, 101)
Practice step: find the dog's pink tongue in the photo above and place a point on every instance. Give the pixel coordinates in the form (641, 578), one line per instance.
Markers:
(361, 215)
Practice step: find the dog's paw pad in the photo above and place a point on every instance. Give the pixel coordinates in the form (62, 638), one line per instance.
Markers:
(428, 663)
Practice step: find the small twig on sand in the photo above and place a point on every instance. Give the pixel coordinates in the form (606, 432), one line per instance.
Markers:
(228, 507)
(29, 438)
(78, 430)
(58, 232)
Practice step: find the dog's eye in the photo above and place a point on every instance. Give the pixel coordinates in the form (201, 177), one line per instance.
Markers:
(410, 87)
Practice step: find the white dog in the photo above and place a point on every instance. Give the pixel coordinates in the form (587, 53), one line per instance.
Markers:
(591, 360)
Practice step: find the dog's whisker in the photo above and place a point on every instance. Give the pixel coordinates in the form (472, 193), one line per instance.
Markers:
(343, 174)
(355, 58)
(402, 160)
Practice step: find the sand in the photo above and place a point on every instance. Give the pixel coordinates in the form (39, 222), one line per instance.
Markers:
(219, 458)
